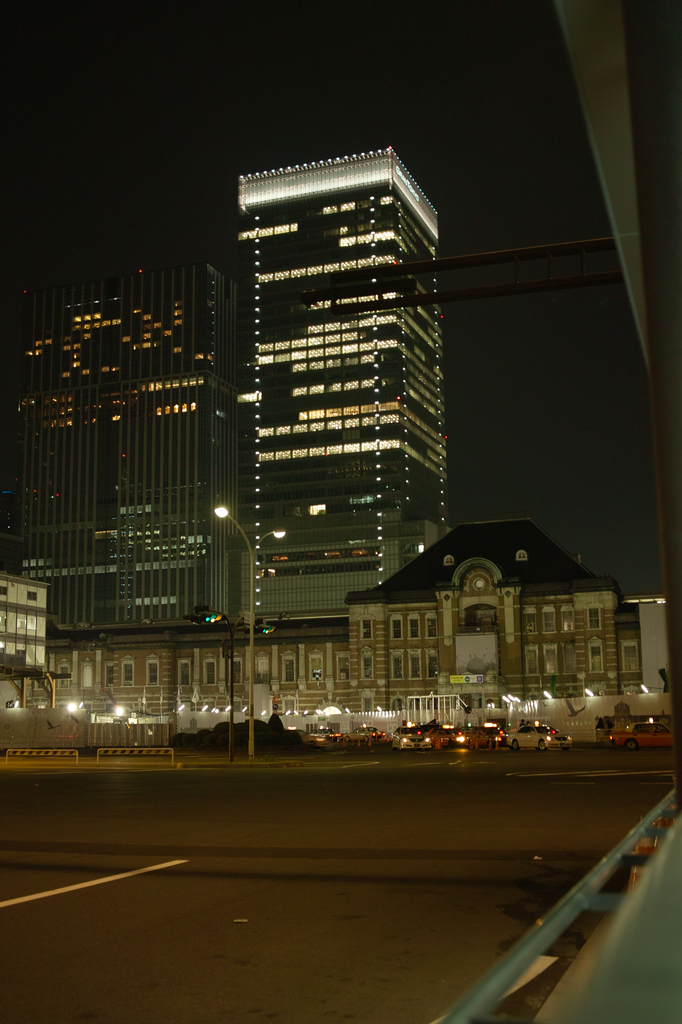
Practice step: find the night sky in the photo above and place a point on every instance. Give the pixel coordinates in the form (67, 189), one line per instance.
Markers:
(125, 135)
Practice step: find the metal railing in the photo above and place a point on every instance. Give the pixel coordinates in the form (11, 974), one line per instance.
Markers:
(477, 1006)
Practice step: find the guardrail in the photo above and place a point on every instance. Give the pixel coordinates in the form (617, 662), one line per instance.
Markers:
(477, 1006)
(39, 752)
(127, 751)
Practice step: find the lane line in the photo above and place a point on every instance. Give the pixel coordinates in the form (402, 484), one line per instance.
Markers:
(611, 773)
(86, 885)
(540, 964)
(592, 783)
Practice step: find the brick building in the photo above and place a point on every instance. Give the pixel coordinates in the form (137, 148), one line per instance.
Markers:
(494, 608)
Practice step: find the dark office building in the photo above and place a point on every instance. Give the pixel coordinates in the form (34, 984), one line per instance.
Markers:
(341, 419)
(128, 440)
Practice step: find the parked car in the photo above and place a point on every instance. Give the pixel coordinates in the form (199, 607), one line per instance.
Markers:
(366, 734)
(642, 734)
(441, 736)
(539, 737)
(410, 737)
(481, 737)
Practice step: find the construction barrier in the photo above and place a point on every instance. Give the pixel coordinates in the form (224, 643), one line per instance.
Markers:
(125, 751)
(30, 752)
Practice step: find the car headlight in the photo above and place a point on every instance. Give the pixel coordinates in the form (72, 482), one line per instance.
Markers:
(460, 739)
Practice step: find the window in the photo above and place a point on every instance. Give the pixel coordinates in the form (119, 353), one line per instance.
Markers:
(317, 510)
(316, 667)
(531, 661)
(594, 618)
(109, 674)
(367, 667)
(32, 595)
(62, 668)
(209, 672)
(288, 670)
(397, 666)
(396, 628)
(414, 628)
(415, 665)
(343, 666)
(595, 656)
(448, 560)
(550, 659)
(153, 673)
(530, 621)
(184, 673)
(367, 704)
(432, 665)
(548, 620)
(570, 665)
(521, 555)
(567, 620)
(366, 629)
(630, 656)
(431, 626)
(127, 673)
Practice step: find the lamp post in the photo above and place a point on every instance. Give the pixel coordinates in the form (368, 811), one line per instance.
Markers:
(222, 513)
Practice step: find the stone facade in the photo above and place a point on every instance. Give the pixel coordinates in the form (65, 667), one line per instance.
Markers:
(491, 610)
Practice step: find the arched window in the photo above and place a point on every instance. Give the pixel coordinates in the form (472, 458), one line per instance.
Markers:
(449, 560)
(521, 555)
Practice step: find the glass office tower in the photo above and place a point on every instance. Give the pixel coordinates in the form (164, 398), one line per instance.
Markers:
(128, 440)
(340, 419)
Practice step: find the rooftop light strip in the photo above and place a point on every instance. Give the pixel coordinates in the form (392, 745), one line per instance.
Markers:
(333, 176)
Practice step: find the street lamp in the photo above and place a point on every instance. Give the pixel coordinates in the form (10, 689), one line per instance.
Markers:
(222, 513)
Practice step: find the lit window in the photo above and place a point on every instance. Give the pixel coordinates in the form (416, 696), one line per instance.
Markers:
(317, 510)
(529, 620)
(550, 659)
(595, 656)
(567, 620)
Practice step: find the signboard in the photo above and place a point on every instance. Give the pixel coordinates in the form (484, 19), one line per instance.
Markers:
(476, 680)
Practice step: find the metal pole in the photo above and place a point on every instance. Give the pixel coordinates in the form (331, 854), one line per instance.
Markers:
(252, 570)
(232, 697)
(653, 36)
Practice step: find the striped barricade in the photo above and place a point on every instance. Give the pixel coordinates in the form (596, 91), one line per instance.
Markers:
(127, 751)
(38, 752)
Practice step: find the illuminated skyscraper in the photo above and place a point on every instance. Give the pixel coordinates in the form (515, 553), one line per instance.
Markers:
(128, 439)
(341, 420)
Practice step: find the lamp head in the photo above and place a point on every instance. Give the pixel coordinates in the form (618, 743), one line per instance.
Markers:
(279, 534)
(221, 512)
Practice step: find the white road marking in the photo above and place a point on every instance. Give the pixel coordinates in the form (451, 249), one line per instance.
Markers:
(588, 783)
(86, 885)
(611, 772)
(540, 964)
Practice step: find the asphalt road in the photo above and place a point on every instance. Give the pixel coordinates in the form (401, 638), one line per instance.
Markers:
(362, 886)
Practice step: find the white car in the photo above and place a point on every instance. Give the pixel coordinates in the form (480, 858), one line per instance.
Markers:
(539, 737)
(410, 737)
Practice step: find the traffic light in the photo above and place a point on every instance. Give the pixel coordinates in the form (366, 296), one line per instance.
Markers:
(261, 626)
(204, 615)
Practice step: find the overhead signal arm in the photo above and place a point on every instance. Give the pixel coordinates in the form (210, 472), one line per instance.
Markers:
(375, 289)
